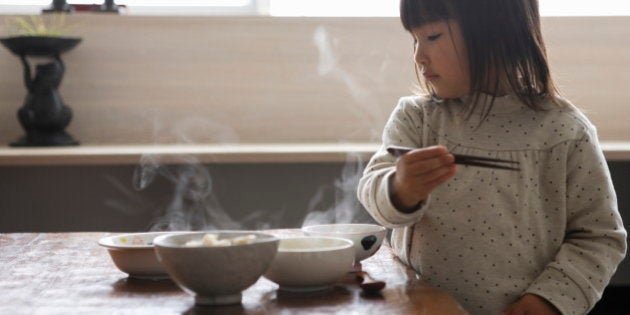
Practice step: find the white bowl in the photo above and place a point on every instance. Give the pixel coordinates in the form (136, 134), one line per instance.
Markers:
(367, 238)
(134, 254)
(216, 275)
(306, 264)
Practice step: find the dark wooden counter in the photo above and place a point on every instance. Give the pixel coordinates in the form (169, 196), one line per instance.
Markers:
(68, 273)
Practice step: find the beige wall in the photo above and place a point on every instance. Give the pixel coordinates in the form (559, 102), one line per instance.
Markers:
(138, 80)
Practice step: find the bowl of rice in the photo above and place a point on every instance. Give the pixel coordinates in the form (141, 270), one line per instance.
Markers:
(215, 267)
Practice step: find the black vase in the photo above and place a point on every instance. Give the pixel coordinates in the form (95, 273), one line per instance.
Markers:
(44, 116)
(58, 6)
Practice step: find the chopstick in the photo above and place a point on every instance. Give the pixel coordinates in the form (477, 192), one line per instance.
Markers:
(464, 159)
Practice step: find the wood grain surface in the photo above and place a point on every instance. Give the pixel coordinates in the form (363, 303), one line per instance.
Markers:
(68, 273)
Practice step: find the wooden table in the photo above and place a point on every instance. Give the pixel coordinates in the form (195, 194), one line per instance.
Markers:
(68, 273)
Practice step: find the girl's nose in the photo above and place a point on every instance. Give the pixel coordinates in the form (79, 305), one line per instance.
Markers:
(421, 57)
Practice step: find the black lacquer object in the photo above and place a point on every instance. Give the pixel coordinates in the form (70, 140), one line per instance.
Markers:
(58, 6)
(368, 241)
(43, 116)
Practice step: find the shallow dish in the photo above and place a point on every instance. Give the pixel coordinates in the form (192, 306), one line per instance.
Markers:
(134, 254)
(367, 238)
(39, 45)
(305, 264)
(216, 275)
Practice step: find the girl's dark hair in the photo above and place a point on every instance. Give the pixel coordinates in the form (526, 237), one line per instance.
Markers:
(503, 39)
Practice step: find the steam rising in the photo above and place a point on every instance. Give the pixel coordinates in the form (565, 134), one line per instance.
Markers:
(346, 207)
(365, 101)
(194, 205)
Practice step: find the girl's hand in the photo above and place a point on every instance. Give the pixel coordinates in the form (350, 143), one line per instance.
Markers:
(531, 304)
(418, 173)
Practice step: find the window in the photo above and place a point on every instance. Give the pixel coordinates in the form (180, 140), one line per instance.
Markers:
(390, 7)
(584, 7)
(334, 7)
(151, 7)
(192, 7)
(307, 7)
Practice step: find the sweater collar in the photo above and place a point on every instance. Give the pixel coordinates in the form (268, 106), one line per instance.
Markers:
(504, 104)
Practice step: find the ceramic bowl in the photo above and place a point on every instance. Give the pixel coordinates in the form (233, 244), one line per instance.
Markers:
(216, 275)
(134, 254)
(367, 238)
(305, 264)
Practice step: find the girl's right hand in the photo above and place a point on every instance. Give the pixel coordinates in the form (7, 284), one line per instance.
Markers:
(418, 173)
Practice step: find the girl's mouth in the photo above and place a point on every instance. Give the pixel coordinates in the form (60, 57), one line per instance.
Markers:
(430, 76)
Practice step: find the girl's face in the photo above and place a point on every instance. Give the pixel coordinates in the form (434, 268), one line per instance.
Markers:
(441, 57)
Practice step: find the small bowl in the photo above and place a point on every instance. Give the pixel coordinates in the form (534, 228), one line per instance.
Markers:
(216, 275)
(305, 264)
(134, 254)
(367, 238)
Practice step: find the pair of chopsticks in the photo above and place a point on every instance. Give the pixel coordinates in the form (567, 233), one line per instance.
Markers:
(465, 159)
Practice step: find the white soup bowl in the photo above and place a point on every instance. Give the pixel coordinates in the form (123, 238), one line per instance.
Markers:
(305, 264)
(367, 238)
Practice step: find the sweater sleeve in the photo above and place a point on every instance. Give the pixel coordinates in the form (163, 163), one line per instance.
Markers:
(402, 129)
(595, 239)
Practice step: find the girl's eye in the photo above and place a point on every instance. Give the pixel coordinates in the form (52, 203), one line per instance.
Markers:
(434, 37)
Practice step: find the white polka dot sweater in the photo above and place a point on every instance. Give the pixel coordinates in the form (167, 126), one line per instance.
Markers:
(489, 236)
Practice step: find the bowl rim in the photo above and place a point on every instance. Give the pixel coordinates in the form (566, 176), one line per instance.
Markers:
(377, 228)
(107, 241)
(158, 241)
(347, 244)
(39, 45)
(64, 38)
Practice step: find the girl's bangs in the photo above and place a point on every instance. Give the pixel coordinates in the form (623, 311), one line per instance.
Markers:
(416, 13)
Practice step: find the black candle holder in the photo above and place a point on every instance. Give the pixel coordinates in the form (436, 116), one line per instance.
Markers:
(43, 116)
(58, 6)
(109, 6)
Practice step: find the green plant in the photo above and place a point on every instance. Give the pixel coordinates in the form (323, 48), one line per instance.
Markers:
(53, 25)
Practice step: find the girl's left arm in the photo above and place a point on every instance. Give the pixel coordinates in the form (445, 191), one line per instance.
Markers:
(595, 239)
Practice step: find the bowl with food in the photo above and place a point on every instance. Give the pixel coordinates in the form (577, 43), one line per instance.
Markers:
(367, 238)
(215, 267)
(305, 264)
(133, 254)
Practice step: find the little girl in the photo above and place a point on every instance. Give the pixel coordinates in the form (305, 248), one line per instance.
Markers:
(542, 240)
